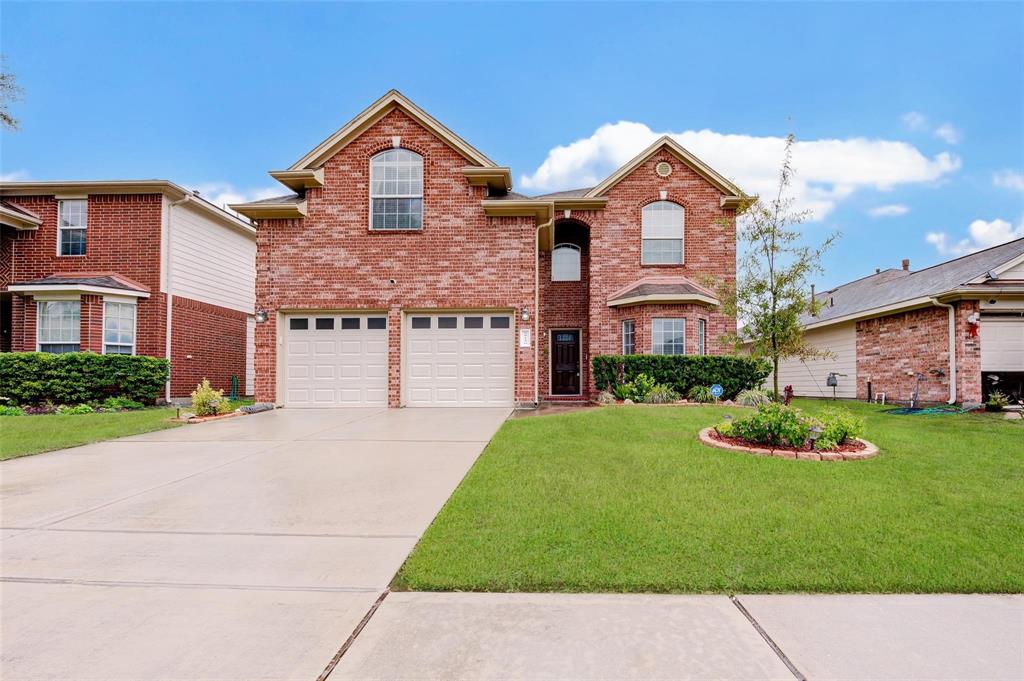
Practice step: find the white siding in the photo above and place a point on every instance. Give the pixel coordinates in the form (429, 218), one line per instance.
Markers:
(808, 378)
(211, 262)
(250, 356)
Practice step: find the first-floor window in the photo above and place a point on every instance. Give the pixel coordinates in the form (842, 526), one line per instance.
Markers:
(702, 331)
(668, 336)
(59, 325)
(119, 328)
(628, 337)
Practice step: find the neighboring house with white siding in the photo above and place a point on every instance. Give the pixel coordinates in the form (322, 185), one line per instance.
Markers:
(952, 333)
(139, 267)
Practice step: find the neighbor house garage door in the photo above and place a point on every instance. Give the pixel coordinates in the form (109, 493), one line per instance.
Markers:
(459, 360)
(1002, 344)
(335, 360)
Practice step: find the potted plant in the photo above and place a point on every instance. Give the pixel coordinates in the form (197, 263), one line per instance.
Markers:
(996, 401)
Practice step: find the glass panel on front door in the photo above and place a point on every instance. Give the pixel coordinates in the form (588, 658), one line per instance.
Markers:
(565, 362)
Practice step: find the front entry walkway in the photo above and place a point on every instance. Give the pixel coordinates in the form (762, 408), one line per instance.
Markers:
(248, 548)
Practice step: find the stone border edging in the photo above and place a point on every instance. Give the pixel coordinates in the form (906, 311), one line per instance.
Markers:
(217, 417)
(870, 451)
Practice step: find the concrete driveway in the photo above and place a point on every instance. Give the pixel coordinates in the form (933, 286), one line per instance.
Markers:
(248, 548)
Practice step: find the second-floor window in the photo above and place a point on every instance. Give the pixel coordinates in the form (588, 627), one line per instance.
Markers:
(396, 190)
(565, 263)
(662, 233)
(72, 218)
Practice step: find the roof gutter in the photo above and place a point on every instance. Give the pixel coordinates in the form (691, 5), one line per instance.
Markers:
(952, 348)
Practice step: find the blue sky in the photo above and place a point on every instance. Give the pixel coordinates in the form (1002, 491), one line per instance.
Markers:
(910, 116)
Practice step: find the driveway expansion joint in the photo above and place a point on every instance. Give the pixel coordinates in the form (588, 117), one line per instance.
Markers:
(768, 639)
(352, 638)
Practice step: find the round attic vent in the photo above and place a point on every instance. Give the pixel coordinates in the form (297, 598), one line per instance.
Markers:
(663, 169)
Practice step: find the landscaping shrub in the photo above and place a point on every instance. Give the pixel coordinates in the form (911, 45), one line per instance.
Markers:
(754, 397)
(76, 409)
(120, 403)
(80, 377)
(681, 372)
(775, 424)
(623, 391)
(700, 393)
(661, 394)
(642, 385)
(837, 426)
(725, 429)
(606, 398)
(11, 411)
(206, 401)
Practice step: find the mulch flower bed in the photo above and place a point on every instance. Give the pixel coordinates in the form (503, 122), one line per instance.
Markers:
(848, 451)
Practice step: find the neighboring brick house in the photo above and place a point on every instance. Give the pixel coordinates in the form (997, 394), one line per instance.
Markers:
(892, 332)
(136, 267)
(404, 270)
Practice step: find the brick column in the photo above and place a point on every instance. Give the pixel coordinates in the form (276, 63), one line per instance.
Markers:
(266, 358)
(91, 333)
(968, 354)
(395, 356)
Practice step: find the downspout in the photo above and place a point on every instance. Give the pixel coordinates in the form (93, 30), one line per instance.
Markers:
(170, 294)
(952, 348)
(536, 310)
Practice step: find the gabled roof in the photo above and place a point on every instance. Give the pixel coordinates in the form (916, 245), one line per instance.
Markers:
(393, 99)
(728, 189)
(892, 290)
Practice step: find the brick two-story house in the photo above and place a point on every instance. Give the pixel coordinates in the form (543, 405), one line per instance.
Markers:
(404, 271)
(137, 267)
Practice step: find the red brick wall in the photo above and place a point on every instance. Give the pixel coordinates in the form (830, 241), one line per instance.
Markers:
(615, 249)
(891, 350)
(91, 335)
(123, 236)
(331, 260)
(564, 305)
(207, 341)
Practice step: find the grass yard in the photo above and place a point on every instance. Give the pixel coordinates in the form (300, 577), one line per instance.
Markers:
(625, 499)
(24, 435)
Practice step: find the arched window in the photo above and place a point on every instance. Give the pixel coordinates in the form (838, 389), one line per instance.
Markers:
(396, 190)
(662, 233)
(565, 263)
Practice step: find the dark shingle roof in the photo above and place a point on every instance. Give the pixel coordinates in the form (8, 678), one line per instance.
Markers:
(567, 194)
(287, 198)
(895, 286)
(107, 281)
(676, 288)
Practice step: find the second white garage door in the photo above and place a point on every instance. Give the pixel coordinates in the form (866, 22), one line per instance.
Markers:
(459, 360)
(1002, 343)
(335, 360)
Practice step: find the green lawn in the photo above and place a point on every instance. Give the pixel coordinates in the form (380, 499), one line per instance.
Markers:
(625, 499)
(24, 435)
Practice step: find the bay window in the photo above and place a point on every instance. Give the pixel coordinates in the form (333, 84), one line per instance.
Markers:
(58, 325)
(668, 336)
(118, 328)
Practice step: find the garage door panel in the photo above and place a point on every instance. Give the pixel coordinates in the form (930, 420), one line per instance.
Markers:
(1002, 344)
(467, 363)
(337, 360)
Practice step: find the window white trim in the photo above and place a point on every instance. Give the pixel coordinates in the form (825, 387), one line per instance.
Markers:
(654, 334)
(579, 261)
(702, 333)
(655, 226)
(632, 336)
(135, 325)
(83, 227)
(417, 161)
(40, 306)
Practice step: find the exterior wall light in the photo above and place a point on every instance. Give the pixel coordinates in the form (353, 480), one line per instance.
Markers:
(526, 314)
(261, 316)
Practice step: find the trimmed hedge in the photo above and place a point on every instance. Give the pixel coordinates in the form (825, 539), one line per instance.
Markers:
(682, 372)
(77, 377)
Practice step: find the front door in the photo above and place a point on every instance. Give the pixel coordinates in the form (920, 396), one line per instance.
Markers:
(565, 362)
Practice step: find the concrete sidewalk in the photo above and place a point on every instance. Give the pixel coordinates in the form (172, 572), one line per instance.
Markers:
(587, 636)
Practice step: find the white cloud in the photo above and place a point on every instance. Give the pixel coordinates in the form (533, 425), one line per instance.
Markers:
(891, 210)
(1009, 179)
(15, 176)
(827, 170)
(915, 120)
(222, 193)
(981, 234)
(948, 134)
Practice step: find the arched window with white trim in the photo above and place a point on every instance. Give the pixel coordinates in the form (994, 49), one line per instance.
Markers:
(565, 263)
(396, 190)
(662, 227)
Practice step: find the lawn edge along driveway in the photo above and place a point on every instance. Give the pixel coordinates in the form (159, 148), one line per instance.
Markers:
(27, 435)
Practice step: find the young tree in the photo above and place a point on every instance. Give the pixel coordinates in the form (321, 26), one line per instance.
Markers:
(10, 92)
(771, 294)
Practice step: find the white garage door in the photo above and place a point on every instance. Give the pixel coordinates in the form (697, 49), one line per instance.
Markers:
(459, 360)
(336, 360)
(1002, 344)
